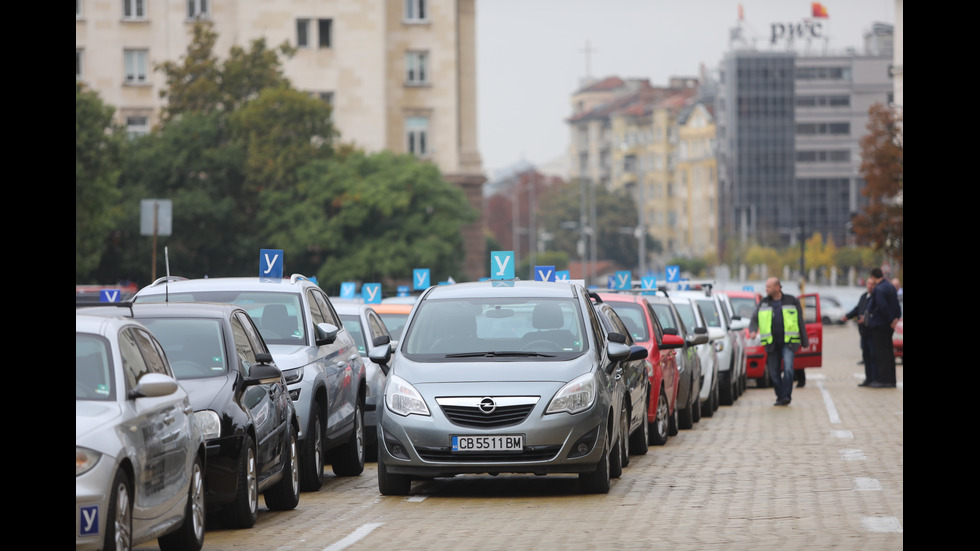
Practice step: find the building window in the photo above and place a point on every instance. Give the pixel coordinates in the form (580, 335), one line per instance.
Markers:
(136, 63)
(137, 126)
(324, 27)
(78, 9)
(303, 33)
(198, 9)
(415, 11)
(78, 64)
(416, 67)
(134, 9)
(417, 136)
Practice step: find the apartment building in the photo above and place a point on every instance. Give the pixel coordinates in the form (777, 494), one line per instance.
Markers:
(400, 74)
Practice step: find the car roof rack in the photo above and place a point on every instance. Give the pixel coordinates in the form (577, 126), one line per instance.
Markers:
(165, 279)
(296, 277)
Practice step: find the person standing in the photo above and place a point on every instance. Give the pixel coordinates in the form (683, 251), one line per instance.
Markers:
(883, 315)
(860, 312)
(778, 320)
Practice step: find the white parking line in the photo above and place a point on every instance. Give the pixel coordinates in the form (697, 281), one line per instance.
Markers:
(355, 536)
(416, 499)
(843, 434)
(882, 524)
(867, 485)
(852, 455)
(828, 403)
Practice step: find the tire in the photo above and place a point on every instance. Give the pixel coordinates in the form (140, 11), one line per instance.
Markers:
(661, 428)
(284, 496)
(673, 427)
(311, 461)
(349, 459)
(244, 510)
(708, 407)
(696, 410)
(190, 535)
(640, 440)
(616, 457)
(393, 484)
(685, 416)
(119, 523)
(725, 388)
(596, 482)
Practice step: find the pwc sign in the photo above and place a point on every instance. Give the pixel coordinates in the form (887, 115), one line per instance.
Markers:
(790, 31)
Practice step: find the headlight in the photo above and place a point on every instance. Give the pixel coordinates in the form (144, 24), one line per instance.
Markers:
(85, 459)
(574, 397)
(403, 399)
(209, 422)
(293, 375)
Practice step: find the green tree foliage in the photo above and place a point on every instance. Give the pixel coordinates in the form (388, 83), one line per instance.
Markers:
(98, 144)
(368, 217)
(882, 167)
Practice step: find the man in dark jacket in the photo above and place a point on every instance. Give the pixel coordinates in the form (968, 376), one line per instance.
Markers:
(883, 315)
(860, 312)
(778, 320)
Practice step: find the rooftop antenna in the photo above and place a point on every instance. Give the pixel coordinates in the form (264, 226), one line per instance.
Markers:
(589, 50)
(166, 262)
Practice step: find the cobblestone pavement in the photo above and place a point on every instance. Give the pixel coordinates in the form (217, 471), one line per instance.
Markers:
(826, 472)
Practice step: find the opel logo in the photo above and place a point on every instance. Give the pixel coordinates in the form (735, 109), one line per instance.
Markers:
(487, 405)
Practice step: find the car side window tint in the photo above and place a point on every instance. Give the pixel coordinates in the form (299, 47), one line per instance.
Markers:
(377, 328)
(329, 314)
(252, 332)
(597, 331)
(134, 366)
(658, 331)
(243, 346)
(153, 355)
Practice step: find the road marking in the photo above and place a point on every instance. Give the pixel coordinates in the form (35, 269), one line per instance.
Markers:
(844, 434)
(416, 499)
(355, 536)
(828, 402)
(882, 524)
(852, 455)
(867, 485)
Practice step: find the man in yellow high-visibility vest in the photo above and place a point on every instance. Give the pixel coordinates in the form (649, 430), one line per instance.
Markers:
(778, 320)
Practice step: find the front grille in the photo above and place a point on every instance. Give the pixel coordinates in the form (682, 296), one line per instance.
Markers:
(530, 453)
(473, 417)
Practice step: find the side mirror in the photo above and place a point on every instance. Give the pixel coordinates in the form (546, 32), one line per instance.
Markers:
(671, 331)
(381, 339)
(671, 341)
(152, 385)
(616, 337)
(263, 373)
(638, 352)
(739, 324)
(326, 333)
(381, 355)
(617, 352)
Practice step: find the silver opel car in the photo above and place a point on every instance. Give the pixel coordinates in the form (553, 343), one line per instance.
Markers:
(503, 377)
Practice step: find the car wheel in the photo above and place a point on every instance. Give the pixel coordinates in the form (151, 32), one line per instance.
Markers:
(673, 427)
(708, 407)
(190, 535)
(243, 511)
(640, 440)
(393, 484)
(661, 430)
(624, 436)
(598, 481)
(685, 415)
(119, 524)
(285, 494)
(350, 457)
(311, 463)
(616, 459)
(725, 388)
(695, 410)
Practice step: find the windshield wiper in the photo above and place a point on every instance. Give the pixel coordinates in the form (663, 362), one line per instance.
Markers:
(504, 353)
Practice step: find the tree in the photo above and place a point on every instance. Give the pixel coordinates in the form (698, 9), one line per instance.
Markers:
(882, 164)
(98, 143)
(368, 217)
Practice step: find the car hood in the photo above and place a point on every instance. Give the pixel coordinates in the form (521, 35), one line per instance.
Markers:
(209, 392)
(91, 415)
(470, 371)
(291, 356)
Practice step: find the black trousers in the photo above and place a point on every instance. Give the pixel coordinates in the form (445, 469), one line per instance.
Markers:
(884, 353)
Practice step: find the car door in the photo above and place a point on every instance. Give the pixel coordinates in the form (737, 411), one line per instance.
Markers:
(812, 355)
(341, 362)
(667, 358)
(633, 373)
(266, 402)
(159, 428)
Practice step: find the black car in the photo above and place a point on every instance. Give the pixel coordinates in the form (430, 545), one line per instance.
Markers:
(240, 401)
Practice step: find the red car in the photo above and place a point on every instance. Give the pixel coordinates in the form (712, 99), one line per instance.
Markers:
(743, 305)
(898, 341)
(645, 329)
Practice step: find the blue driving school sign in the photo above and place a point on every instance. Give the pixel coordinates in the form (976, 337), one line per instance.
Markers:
(371, 292)
(421, 279)
(270, 263)
(544, 273)
(502, 265)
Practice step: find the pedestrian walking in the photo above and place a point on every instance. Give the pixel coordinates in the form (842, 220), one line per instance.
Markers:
(883, 315)
(778, 320)
(860, 313)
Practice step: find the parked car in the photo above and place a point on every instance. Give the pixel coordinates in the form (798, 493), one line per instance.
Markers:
(831, 310)
(744, 304)
(690, 378)
(139, 452)
(240, 400)
(326, 376)
(726, 343)
(690, 316)
(368, 330)
(634, 377)
(898, 340)
(394, 314)
(502, 377)
(739, 328)
(644, 328)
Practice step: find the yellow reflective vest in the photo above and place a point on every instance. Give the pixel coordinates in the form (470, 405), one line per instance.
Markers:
(791, 323)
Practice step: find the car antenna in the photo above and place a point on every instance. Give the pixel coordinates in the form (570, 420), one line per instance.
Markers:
(166, 262)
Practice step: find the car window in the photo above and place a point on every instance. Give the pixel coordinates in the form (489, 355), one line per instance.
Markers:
(134, 366)
(744, 307)
(686, 311)
(395, 324)
(809, 309)
(278, 316)
(709, 312)
(377, 327)
(326, 311)
(352, 322)
(243, 344)
(657, 328)
(633, 318)
(615, 323)
(666, 317)
(194, 346)
(93, 368)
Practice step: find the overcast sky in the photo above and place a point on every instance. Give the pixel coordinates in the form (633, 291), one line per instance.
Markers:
(531, 55)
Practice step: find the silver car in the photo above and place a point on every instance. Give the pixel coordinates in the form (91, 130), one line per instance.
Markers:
(692, 319)
(139, 453)
(728, 344)
(318, 357)
(502, 377)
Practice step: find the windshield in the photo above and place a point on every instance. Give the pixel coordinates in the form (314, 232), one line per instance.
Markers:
(744, 307)
(352, 323)
(633, 319)
(497, 328)
(709, 312)
(278, 316)
(194, 347)
(93, 368)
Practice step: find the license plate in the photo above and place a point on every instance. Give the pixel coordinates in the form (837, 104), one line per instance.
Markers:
(495, 443)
